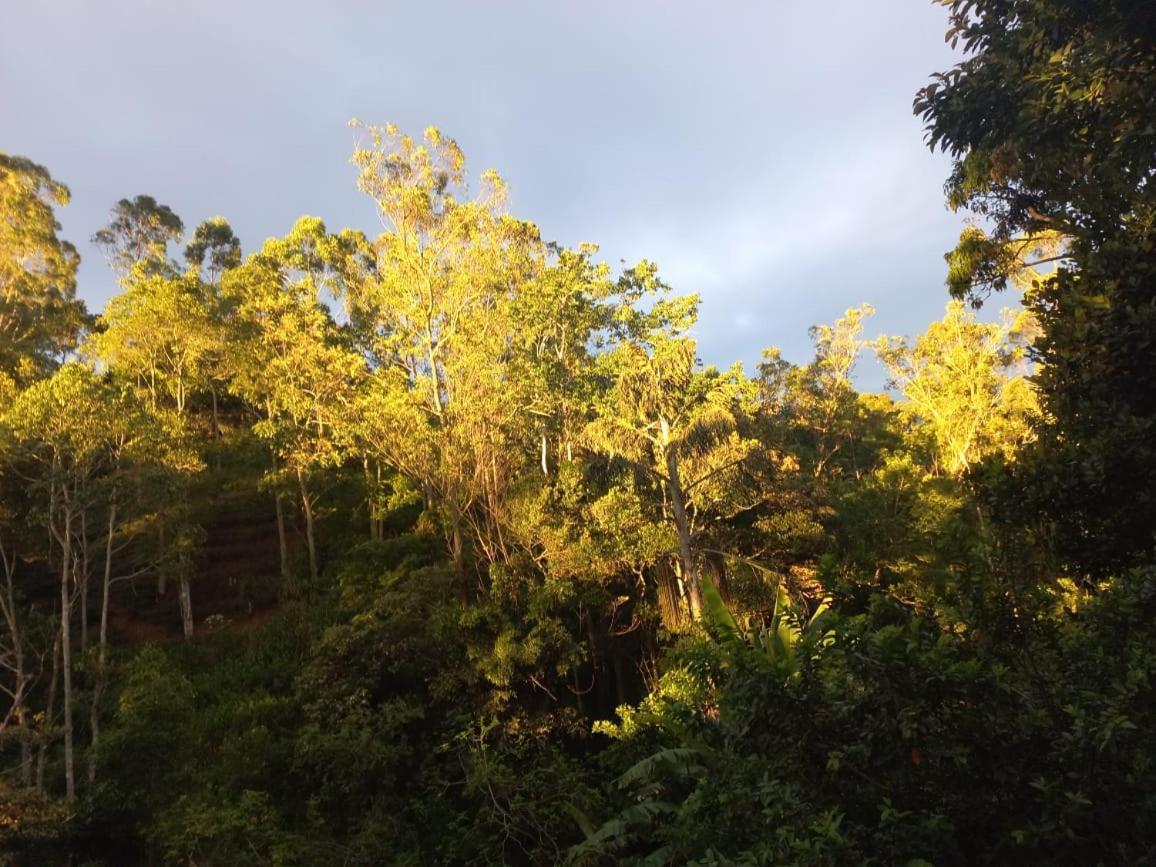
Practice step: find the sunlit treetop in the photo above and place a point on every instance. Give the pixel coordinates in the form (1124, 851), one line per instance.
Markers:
(1049, 121)
(138, 235)
(40, 316)
(213, 249)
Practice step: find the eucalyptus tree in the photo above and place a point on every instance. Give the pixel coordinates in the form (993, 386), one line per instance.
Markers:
(165, 329)
(58, 426)
(434, 315)
(562, 320)
(165, 334)
(213, 249)
(291, 361)
(967, 382)
(145, 459)
(680, 426)
(40, 315)
(138, 236)
(481, 339)
(819, 399)
(162, 333)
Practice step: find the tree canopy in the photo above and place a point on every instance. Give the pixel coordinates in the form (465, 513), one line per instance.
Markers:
(40, 315)
(1046, 119)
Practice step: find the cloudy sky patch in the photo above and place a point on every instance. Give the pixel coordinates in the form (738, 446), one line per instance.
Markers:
(764, 154)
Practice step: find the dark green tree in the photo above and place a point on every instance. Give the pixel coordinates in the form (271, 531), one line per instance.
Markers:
(1049, 119)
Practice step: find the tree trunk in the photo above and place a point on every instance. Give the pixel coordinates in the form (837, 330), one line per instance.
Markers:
(619, 679)
(435, 376)
(216, 432)
(458, 548)
(102, 651)
(370, 496)
(83, 581)
(67, 569)
(162, 570)
(216, 415)
(21, 679)
(310, 539)
(186, 602)
(379, 519)
(282, 542)
(49, 713)
(25, 750)
(672, 607)
(690, 577)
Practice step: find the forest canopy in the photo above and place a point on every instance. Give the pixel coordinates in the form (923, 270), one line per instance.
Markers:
(442, 545)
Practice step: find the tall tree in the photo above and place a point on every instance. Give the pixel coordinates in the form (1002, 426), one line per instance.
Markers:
(433, 314)
(1047, 119)
(291, 361)
(966, 381)
(819, 398)
(40, 315)
(138, 235)
(164, 333)
(213, 250)
(160, 332)
(680, 427)
(59, 424)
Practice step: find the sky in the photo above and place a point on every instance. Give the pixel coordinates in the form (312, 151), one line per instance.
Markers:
(764, 154)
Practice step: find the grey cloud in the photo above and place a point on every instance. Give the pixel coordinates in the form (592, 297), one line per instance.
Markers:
(763, 154)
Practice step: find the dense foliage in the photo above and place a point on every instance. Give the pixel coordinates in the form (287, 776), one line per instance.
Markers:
(443, 546)
(1049, 121)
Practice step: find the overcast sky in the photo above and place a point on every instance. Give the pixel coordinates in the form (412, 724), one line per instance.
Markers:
(764, 154)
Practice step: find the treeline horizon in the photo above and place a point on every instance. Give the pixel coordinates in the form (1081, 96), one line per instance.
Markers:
(444, 546)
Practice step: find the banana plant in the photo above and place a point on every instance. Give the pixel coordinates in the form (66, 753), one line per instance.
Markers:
(649, 783)
(777, 639)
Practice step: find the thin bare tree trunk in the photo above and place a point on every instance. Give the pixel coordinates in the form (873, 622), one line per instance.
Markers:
(379, 520)
(216, 416)
(186, 602)
(102, 653)
(369, 495)
(49, 714)
(690, 577)
(457, 548)
(310, 539)
(18, 714)
(67, 571)
(83, 581)
(282, 540)
(162, 570)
